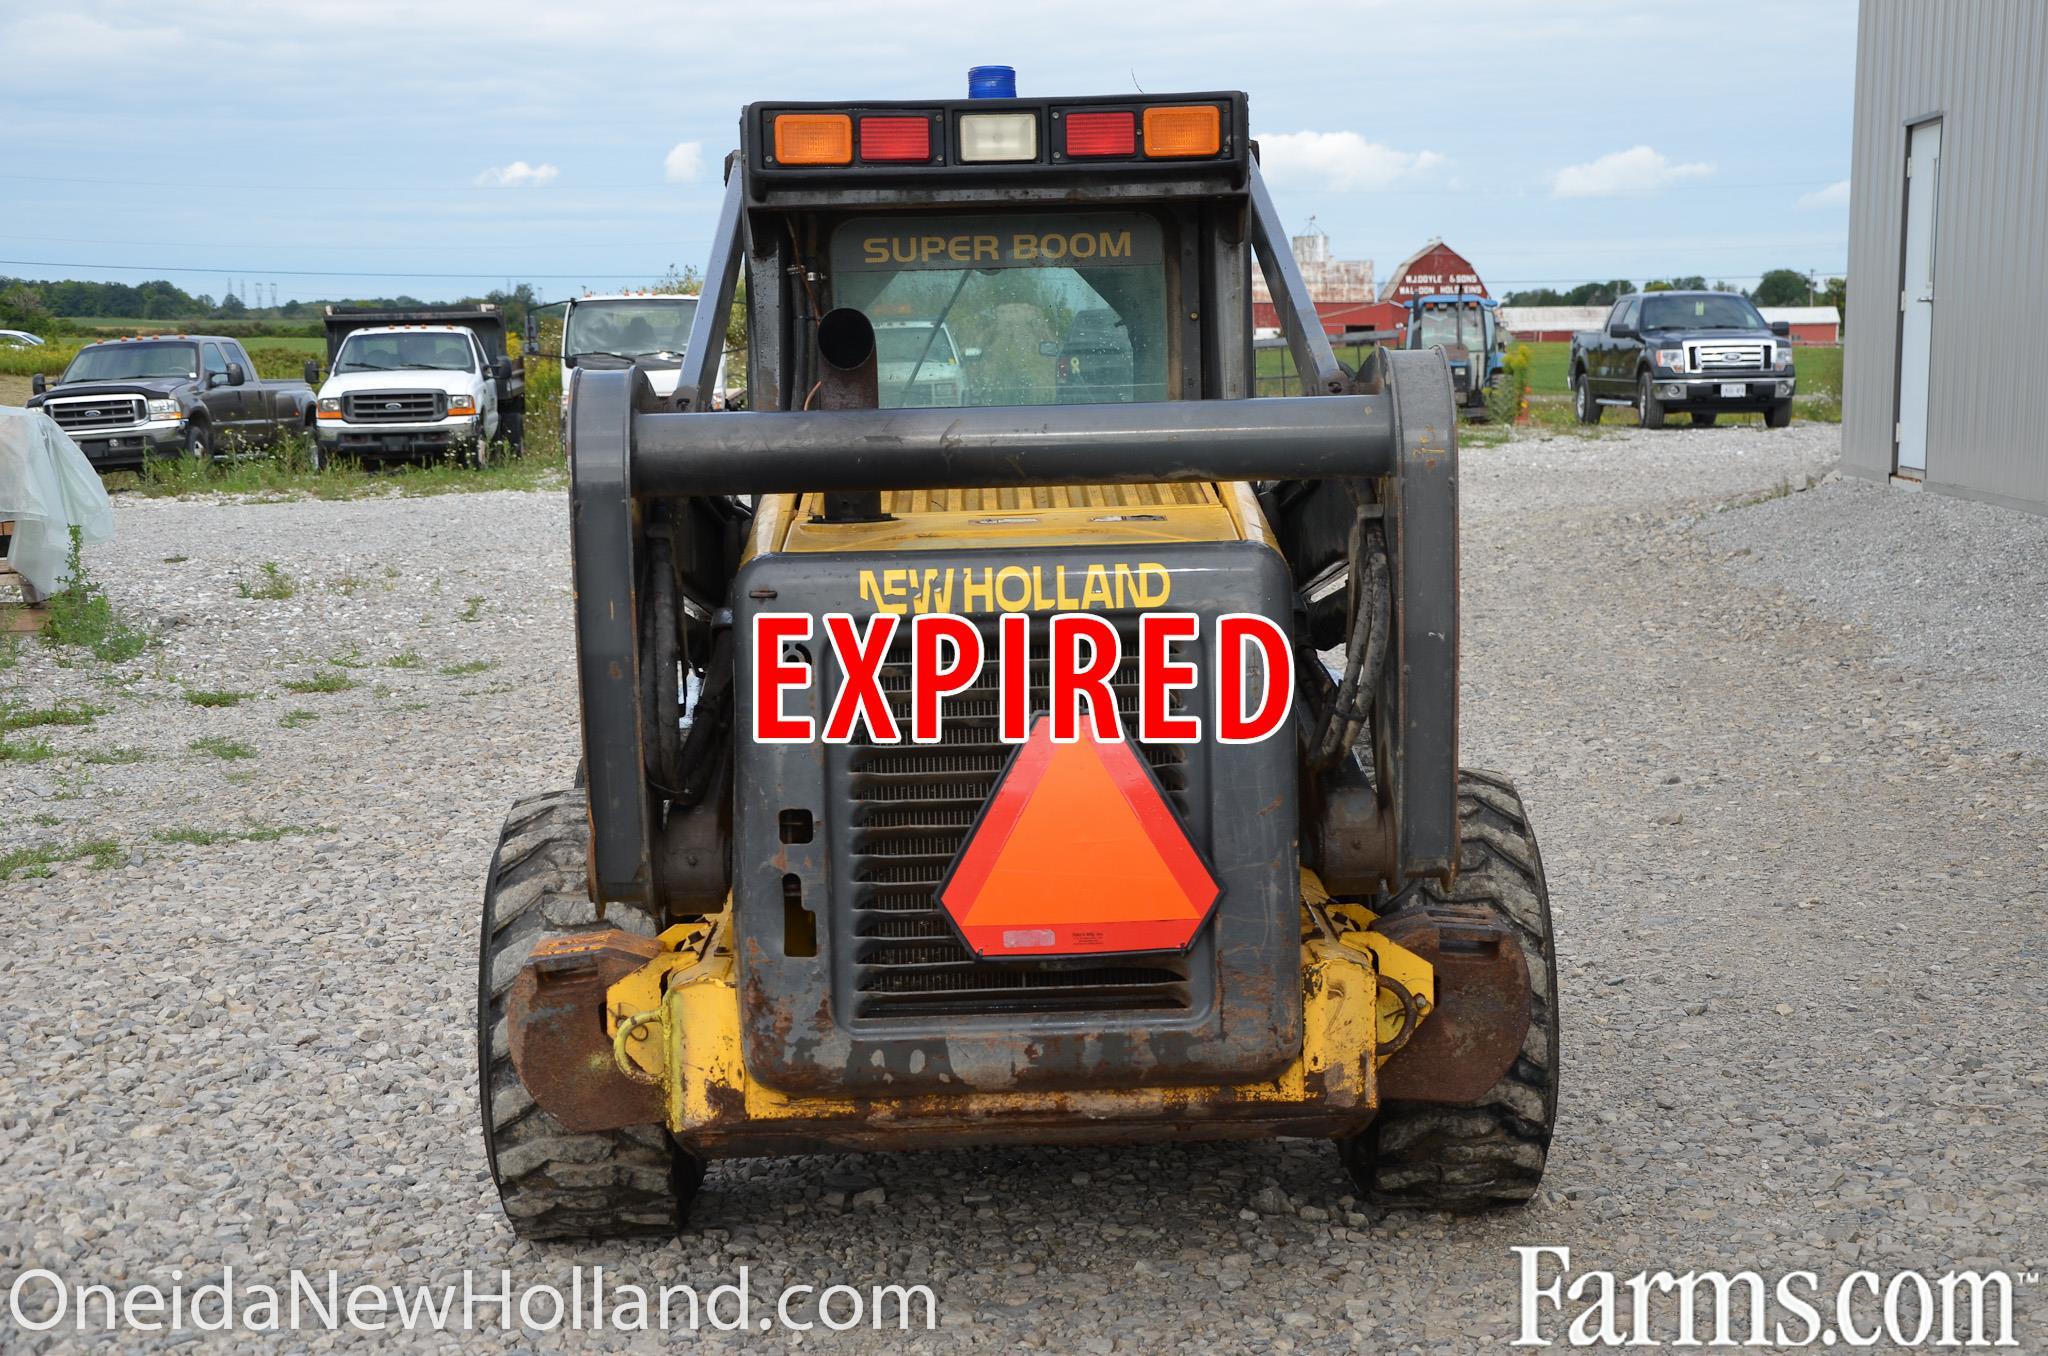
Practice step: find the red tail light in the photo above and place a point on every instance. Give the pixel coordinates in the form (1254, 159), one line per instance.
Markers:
(903, 139)
(1102, 134)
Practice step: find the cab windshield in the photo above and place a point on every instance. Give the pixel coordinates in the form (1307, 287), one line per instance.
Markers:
(405, 352)
(1716, 311)
(1030, 309)
(130, 362)
(1452, 324)
(631, 327)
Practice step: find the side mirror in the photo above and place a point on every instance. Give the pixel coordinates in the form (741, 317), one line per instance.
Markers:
(1781, 328)
(37, 385)
(1048, 348)
(312, 372)
(532, 332)
(501, 369)
(1621, 331)
(236, 376)
(971, 354)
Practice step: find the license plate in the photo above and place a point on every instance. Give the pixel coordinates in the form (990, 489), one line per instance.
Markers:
(1733, 390)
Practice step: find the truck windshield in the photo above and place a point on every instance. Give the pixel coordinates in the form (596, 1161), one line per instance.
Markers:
(128, 362)
(1716, 311)
(637, 327)
(396, 352)
(1037, 309)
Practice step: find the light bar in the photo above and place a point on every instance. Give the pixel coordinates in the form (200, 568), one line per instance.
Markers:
(814, 139)
(1102, 134)
(899, 139)
(1183, 130)
(996, 138)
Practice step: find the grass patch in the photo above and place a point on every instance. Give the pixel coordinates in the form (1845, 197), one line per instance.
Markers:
(333, 680)
(405, 659)
(298, 717)
(228, 749)
(25, 750)
(10, 652)
(116, 757)
(80, 614)
(351, 658)
(467, 667)
(34, 717)
(258, 833)
(286, 472)
(472, 608)
(273, 584)
(32, 862)
(176, 560)
(216, 696)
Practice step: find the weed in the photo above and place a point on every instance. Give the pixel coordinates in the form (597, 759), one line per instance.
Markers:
(255, 833)
(472, 608)
(351, 658)
(64, 713)
(467, 667)
(32, 862)
(407, 659)
(228, 749)
(334, 680)
(47, 820)
(10, 652)
(275, 585)
(297, 717)
(218, 696)
(176, 560)
(81, 614)
(114, 757)
(25, 751)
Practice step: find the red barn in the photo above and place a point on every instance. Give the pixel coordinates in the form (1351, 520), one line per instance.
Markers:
(1436, 267)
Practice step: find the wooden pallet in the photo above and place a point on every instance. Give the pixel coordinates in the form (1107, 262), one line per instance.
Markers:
(16, 618)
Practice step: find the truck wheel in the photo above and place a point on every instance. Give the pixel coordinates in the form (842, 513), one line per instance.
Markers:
(1779, 415)
(554, 1183)
(1427, 1156)
(1704, 418)
(1583, 404)
(477, 454)
(198, 440)
(1649, 409)
(514, 432)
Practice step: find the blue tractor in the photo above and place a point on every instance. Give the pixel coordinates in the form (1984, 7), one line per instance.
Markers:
(1466, 327)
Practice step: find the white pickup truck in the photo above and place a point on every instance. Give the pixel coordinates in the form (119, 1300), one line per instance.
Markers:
(647, 330)
(409, 391)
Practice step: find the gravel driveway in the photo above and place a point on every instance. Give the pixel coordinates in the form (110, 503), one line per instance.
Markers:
(1800, 909)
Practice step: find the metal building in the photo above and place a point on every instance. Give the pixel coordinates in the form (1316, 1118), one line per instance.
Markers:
(1948, 249)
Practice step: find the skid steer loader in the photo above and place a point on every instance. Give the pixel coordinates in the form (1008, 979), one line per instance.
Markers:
(1008, 730)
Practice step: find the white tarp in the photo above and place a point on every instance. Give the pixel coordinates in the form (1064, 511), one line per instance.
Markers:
(47, 487)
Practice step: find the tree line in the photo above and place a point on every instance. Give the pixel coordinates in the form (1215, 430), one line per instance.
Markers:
(1779, 287)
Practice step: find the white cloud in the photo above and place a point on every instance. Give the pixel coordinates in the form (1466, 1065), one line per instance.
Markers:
(1835, 195)
(1338, 160)
(518, 174)
(1635, 170)
(685, 163)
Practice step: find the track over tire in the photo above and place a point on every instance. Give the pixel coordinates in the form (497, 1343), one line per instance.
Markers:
(1649, 409)
(555, 1183)
(1419, 1155)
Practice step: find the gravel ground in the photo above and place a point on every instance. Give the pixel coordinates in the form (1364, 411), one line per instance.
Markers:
(1800, 904)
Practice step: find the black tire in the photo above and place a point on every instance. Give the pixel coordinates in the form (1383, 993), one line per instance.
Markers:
(1779, 415)
(554, 1183)
(1704, 418)
(1418, 1155)
(514, 432)
(1583, 405)
(1649, 409)
(198, 440)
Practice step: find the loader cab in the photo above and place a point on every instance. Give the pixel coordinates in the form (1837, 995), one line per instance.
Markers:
(1008, 252)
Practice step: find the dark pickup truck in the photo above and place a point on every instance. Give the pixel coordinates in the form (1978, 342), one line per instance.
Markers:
(1697, 353)
(188, 394)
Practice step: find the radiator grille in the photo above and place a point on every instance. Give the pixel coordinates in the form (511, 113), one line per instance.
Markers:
(911, 807)
(393, 407)
(1730, 357)
(91, 412)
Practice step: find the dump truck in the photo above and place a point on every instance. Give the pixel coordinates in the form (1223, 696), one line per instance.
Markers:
(1039, 762)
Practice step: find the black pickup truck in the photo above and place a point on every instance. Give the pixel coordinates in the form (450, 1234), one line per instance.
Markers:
(194, 395)
(1698, 353)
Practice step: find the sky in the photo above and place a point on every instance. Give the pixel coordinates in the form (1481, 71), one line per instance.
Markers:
(444, 147)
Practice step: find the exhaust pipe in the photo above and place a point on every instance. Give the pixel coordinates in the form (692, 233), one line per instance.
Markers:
(846, 350)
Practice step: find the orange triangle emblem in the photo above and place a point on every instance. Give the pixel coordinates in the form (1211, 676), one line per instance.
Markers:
(1077, 853)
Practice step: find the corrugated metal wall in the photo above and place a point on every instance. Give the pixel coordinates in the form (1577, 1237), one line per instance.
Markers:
(1982, 65)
